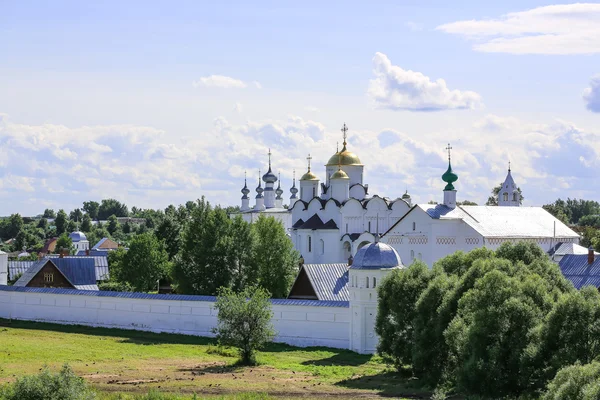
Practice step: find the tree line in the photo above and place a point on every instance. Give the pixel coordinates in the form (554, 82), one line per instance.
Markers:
(494, 324)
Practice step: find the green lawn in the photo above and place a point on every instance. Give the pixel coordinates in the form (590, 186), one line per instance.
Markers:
(121, 361)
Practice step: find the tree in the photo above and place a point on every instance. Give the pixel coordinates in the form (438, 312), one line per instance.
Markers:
(590, 220)
(169, 231)
(398, 293)
(76, 215)
(43, 223)
(466, 203)
(86, 223)
(110, 207)
(493, 199)
(113, 224)
(575, 382)
(203, 265)
(91, 208)
(275, 256)
(61, 222)
(15, 225)
(244, 244)
(64, 242)
(244, 321)
(49, 213)
(142, 265)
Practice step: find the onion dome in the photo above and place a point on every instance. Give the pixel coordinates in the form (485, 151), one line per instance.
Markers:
(344, 157)
(309, 176)
(294, 189)
(339, 174)
(278, 191)
(77, 236)
(449, 177)
(269, 177)
(259, 189)
(406, 196)
(376, 256)
(245, 190)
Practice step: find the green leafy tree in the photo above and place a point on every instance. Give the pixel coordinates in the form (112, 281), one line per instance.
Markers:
(61, 222)
(15, 225)
(398, 293)
(113, 224)
(575, 382)
(203, 265)
(169, 231)
(86, 223)
(590, 220)
(493, 199)
(244, 321)
(43, 224)
(91, 208)
(466, 203)
(76, 215)
(243, 250)
(49, 213)
(142, 265)
(64, 242)
(275, 256)
(110, 207)
(71, 226)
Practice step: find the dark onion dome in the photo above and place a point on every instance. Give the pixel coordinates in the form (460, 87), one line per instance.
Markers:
(294, 189)
(245, 191)
(405, 196)
(449, 177)
(259, 189)
(376, 256)
(77, 236)
(278, 191)
(269, 177)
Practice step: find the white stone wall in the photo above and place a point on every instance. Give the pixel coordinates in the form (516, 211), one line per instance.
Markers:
(298, 325)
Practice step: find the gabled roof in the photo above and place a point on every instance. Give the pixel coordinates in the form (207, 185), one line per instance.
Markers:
(561, 249)
(100, 263)
(93, 253)
(576, 268)
(329, 281)
(106, 243)
(315, 222)
(79, 271)
(494, 221)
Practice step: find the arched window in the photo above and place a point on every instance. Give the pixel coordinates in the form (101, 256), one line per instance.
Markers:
(414, 226)
(374, 282)
(322, 247)
(505, 196)
(367, 282)
(412, 254)
(369, 227)
(420, 256)
(314, 191)
(309, 244)
(514, 196)
(346, 227)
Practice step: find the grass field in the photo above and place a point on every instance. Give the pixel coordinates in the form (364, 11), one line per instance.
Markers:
(120, 361)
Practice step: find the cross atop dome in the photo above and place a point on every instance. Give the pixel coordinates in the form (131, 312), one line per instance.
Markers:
(309, 158)
(345, 133)
(449, 148)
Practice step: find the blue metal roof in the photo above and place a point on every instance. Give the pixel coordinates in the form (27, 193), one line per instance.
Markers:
(100, 262)
(92, 253)
(575, 267)
(18, 267)
(177, 297)
(376, 256)
(77, 270)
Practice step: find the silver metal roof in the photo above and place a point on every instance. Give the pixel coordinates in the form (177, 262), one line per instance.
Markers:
(579, 271)
(494, 221)
(18, 267)
(100, 264)
(329, 281)
(376, 256)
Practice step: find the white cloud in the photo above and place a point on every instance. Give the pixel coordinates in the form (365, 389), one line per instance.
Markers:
(556, 29)
(399, 89)
(219, 81)
(591, 95)
(238, 108)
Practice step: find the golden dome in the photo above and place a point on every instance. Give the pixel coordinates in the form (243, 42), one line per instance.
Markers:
(339, 174)
(309, 176)
(344, 157)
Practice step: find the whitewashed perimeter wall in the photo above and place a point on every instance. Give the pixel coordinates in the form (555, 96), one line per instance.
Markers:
(297, 325)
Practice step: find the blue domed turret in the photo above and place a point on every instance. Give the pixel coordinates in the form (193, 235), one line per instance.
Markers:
(269, 177)
(259, 189)
(77, 236)
(279, 191)
(376, 256)
(245, 190)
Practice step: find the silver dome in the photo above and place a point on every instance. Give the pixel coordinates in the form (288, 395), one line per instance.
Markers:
(376, 256)
(77, 236)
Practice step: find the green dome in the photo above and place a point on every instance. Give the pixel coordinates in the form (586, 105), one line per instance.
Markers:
(449, 177)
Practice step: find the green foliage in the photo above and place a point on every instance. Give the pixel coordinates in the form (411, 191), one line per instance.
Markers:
(142, 265)
(49, 213)
(91, 208)
(244, 321)
(576, 382)
(76, 215)
(398, 293)
(113, 224)
(274, 255)
(590, 220)
(110, 207)
(243, 249)
(15, 225)
(64, 242)
(572, 210)
(113, 286)
(86, 223)
(43, 223)
(169, 231)
(15, 278)
(61, 222)
(64, 385)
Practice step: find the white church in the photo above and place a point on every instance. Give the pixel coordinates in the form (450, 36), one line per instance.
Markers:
(331, 220)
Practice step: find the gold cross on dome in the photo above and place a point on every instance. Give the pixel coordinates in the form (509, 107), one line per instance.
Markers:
(345, 132)
(309, 158)
(449, 148)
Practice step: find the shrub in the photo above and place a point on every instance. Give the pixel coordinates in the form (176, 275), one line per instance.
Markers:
(112, 286)
(576, 382)
(63, 385)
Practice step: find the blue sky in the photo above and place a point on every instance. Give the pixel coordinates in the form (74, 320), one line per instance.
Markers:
(161, 102)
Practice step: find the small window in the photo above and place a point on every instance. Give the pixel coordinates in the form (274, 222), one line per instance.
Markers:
(367, 282)
(505, 196)
(414, 226)
(515, 196)
(412, 254)
(346, 228)
(314, 192)
(420, 256)
(48, 277)
(369, 226)
(374, 282)
(322, 247)
(309, 244)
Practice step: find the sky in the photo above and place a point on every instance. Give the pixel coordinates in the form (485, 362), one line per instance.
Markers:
(157, 103)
